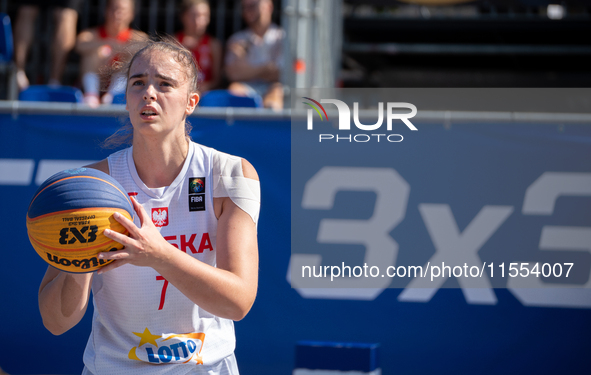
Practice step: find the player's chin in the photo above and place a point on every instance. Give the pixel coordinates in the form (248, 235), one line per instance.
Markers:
(147, 127)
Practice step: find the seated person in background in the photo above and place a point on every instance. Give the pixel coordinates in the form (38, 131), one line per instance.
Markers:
(100, 47)
(65, 15)
(254, 56)
(195, 16)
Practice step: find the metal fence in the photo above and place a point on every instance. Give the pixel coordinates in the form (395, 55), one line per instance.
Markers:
(152, 16)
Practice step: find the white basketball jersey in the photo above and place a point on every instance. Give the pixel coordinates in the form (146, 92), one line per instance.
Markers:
(141, 323)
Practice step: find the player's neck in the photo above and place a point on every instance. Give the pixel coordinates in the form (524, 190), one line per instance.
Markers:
(158, 163)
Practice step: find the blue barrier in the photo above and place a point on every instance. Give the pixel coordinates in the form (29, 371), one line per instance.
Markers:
(334, 358)
(465, 167)
(223, 98)
(48, 93)
(6, 41)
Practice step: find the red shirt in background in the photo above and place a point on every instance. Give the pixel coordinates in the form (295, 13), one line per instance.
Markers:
(203, 54)
(124, 36)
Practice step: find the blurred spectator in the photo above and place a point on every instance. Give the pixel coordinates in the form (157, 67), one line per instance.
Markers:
(100, 47)
(254, 56)
(195, 16)
(65, 15)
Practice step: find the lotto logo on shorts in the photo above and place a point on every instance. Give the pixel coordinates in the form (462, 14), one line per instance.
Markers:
(168, 348)
(196, 194)
(160, 216)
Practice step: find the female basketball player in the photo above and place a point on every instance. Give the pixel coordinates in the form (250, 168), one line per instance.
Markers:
(189, 265)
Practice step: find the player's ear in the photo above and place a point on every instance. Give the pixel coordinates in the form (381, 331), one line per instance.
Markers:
(192, 102)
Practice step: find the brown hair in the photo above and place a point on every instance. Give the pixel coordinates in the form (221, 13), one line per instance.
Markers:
(162, 43)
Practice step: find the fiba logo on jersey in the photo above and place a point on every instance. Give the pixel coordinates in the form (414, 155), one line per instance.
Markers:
(196, 194)
(160, 216)
(344, 117)
(196, 185)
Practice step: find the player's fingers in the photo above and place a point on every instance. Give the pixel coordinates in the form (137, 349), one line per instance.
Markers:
(109, 255)
(123, 239)
(127, 224)
(142, 214)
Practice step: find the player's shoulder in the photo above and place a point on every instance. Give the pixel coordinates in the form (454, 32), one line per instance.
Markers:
(232, 166)
(115, 159)
(102, 166)
(248, 170)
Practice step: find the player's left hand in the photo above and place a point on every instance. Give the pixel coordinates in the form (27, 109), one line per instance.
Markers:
(144, 246)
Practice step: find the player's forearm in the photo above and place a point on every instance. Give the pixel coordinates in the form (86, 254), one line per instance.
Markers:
(63, 301)
(219, 292)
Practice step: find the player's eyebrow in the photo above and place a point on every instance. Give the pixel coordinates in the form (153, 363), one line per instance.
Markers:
(139, 75)
(158, 75)
(167, 78)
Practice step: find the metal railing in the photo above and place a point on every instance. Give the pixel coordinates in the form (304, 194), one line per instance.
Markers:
(16, 108)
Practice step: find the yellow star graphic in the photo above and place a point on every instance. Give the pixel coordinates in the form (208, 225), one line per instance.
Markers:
(147, 338)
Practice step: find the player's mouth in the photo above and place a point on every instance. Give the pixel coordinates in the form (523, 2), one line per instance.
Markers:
(148, 113)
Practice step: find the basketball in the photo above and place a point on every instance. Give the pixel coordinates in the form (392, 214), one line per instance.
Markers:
(68, 215)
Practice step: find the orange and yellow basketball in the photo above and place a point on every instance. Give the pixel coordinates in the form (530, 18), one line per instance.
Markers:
(68, 215)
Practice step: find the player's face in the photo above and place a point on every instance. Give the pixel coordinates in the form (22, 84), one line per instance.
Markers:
(196, 19)
(158, 97)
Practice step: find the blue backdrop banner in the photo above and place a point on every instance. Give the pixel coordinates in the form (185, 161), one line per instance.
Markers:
(460, 179)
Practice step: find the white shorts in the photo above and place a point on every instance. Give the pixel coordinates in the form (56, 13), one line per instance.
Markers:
(226, 366)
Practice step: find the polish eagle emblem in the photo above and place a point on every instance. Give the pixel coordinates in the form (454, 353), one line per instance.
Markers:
(160, 216)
